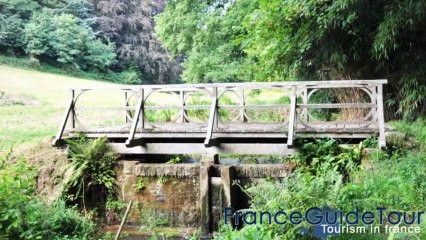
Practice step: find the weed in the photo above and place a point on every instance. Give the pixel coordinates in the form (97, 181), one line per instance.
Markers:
(140, 184)
(371, 142)
(152, 218)
(164, 179)
(174, 159)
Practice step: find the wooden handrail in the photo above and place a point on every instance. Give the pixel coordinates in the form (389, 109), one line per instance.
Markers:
(250, 85)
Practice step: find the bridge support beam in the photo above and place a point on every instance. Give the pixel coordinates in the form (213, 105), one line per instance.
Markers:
(227, 174)
(210, 159)
(206, 173)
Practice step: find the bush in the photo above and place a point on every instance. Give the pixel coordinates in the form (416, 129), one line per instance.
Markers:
(65, 38)
(125, 77)
(327, 176)
(24, 216)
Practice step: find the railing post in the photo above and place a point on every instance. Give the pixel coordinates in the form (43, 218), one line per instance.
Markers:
(216, 99)
(142, 110)
(292, 119)
(72, 113)
(125, 107)
(305, 101)
(380, 116)
(242, 110)
(182, 104)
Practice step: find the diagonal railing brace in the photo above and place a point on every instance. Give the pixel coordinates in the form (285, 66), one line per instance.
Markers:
(212, 119)
(69, 112)
(139, 115)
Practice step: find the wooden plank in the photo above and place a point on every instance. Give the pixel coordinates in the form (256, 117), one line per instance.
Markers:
(191, 135)
(262, 106)
(336, 105)
(200, 148)
(91, 108)
(182, 108)
(263, 84)
(252, 85)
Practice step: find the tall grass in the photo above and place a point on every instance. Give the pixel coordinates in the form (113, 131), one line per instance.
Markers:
(329, 176)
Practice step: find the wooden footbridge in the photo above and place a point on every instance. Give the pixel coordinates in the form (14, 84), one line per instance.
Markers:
(235, 118)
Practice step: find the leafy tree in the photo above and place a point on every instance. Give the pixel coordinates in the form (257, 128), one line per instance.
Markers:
(13, 15)
(10, 30)
(344, 40)
(274, 40)
(130, 25)
(63, 38)
(209, 34)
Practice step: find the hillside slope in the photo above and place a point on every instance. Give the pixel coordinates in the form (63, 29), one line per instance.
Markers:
(32, 103)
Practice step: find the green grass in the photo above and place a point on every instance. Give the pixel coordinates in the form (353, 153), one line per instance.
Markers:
(415, 129)
(50, 92)
(25, 63)
(20, 125)
(31, 123)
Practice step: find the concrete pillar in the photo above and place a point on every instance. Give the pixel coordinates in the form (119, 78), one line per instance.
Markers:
(210, 159)
(205, 206)
(227, 174)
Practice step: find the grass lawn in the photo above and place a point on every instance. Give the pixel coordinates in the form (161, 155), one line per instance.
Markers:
(44, 97)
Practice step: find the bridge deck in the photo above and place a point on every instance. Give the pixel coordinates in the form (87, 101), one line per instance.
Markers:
(248, 128)
(238, 118)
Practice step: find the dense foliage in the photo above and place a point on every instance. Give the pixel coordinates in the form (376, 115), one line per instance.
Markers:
(130, 25)
(55, 35)
(400, 187)
(93, 36)
(278, 40)
(67, 40)
(24, 216)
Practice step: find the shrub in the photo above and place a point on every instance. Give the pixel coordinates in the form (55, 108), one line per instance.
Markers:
(24, 216)
(65, 38)
(327, 176)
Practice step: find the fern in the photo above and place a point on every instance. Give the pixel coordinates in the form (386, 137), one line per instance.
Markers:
(91, 165)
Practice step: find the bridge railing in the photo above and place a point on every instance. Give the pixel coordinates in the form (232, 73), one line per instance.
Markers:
(295, 108)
